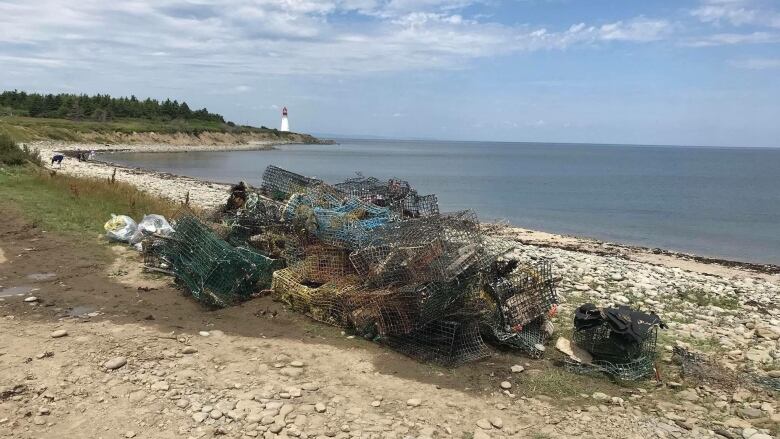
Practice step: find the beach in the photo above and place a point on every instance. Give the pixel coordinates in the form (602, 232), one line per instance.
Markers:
(727, 309)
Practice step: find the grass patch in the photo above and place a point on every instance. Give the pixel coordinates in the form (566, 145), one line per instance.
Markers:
(27, 129)
(556, 382)
(73, 205)
(700, 297)
(12, 154)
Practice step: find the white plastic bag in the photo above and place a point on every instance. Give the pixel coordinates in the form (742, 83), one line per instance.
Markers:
(150, 225)
(120, 228)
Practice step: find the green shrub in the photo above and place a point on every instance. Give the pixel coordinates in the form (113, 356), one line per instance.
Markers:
(12, 154)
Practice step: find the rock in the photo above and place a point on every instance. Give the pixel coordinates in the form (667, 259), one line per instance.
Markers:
(37, 420)
(497, 422)
(761, 436)
(275, 428)
(59, 333)
(506, 385)
(291, 371)
(319, 407)
(617, 277)
(182, 403)
(130, 434)
(199, 417)
(215, 414)
(574, 352)
(414, 402)
(44, 411)
(115, 363)
(774, 373)
(741, 396)
(750, 413)
(160, 385)
(296, 363)
(189, 350)
(30, 299)
(598, 396)
(688, 395)
(480, 434)
(375, 403)
(204, 333)
(484, 424)
(736, 423)
(763, 332)
(517, 368)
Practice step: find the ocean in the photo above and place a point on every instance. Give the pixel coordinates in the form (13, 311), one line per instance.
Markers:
(710, 201)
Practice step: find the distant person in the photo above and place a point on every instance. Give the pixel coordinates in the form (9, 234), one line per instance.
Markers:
(57, 159)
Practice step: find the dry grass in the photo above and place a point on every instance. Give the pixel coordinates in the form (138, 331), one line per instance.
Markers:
(75, 205)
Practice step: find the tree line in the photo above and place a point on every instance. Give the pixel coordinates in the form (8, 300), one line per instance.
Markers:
(99, 107)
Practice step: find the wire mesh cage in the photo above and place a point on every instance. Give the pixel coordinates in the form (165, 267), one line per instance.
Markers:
(614, 354)
(213, 271)
(448, 343)
(280, 183)
(525, 294)
(437, 248)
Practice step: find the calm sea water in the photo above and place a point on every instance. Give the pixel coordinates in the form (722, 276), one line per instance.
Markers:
(720, 202)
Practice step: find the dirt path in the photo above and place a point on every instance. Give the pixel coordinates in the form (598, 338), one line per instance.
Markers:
(260, 371)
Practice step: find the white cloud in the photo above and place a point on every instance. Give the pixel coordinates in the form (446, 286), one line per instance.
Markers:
(246, 37)
(737, 13)
(757, 63)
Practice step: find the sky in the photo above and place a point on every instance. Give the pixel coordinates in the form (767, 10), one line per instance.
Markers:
(679, 72)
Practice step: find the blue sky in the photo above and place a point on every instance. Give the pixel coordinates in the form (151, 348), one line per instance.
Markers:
(696, 72)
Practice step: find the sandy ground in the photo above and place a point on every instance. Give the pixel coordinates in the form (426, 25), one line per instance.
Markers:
(257, 370)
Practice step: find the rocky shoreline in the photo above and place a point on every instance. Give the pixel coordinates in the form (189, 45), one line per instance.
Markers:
(729, 311)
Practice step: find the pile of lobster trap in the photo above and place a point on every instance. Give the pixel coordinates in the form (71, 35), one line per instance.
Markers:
(376, 258)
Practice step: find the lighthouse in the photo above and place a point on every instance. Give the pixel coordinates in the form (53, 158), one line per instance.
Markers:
(285, 123)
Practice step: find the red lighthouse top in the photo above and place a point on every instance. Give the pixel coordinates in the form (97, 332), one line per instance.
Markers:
(284, 111)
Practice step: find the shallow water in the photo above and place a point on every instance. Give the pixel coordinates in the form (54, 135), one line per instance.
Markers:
(720, 202)
(17, 290)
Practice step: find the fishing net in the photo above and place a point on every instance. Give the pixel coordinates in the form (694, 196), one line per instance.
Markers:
(704, 369)
(213, 271)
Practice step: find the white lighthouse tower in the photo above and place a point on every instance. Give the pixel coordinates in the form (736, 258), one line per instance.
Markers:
(285, 123)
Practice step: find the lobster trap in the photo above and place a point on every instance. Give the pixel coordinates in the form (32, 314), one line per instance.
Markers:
(212, 270)
(434, 249)
(279, 184)
(447, 343)
(613, 355)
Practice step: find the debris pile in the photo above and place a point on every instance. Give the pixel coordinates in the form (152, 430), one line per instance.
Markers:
(379, 260)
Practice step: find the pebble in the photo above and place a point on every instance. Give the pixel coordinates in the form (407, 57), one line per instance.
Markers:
(130, 434)
(319, 407)
(414, 402)
(189, 350)
(484, 424)
(296, 363)
(115, 363)
(59, 333)
(30, 299)
(204, 333)
(160, 385)
(375, 403)
(215, 414)
(517, 368)
(497, 422)
(506, 385)
(598, 396)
